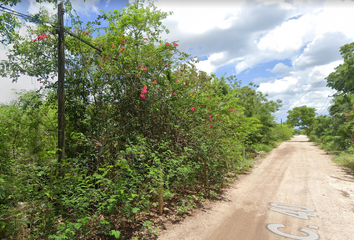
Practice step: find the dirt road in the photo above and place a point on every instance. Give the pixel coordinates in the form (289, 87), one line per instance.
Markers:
(296, 173)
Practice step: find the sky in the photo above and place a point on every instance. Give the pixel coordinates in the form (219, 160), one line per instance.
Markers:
(287, 48)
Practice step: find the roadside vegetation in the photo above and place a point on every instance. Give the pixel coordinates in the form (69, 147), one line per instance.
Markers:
(146, 132)
(335, 132)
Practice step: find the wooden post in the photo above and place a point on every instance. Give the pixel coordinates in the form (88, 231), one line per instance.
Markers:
(61, 92)
(161, 200)
(161, 203)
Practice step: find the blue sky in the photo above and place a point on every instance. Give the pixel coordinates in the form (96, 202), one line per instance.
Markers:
(286, 47)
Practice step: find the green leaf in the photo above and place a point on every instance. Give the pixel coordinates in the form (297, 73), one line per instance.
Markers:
(115, 233)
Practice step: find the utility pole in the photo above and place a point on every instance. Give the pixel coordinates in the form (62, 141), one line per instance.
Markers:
(61, 92)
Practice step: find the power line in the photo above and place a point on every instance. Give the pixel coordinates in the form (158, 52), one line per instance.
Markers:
(25, 16)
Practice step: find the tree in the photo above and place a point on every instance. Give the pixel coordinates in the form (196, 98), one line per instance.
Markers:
(343, 78)
(301, 117)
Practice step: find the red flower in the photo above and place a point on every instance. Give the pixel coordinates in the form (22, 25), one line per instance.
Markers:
(217, 114)
(346, 114)
(170, 92)
(166, 64)
(146, 39)
(210, 119)
(193, 108)
(155, 82)
(120, 43)
(175, 44)
(142, 96)
(144, 90)
(182, 153)
(112, 45)
(193, 77)
(167, 44)
(210, 126)
(99, 66)
(176, 80)
(102, 60)
(192, 94)
(107, 57)
(122, 49)
(34, 39)
(175, 73)
(209, 116)
(352, 139)
(75, 31)
(174, 93)
(123, 40)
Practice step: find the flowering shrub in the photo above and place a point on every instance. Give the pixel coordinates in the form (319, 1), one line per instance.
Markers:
(127, 136)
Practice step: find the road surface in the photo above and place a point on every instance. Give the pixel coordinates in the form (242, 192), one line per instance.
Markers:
(306, 189)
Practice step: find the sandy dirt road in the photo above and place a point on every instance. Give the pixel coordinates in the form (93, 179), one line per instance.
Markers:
(295, 173)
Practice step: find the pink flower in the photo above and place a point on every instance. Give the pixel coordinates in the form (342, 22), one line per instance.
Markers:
(167, 44)
(142, 96)
(192, 94)
(209, 116)
(175, 44)
(99, 66)
(175, 73)
(145, 87)
(146, 39)
(166, 64)
(182, 153)
(75, 31)
(210, 126)
(112, 45)
(193, 108)
(176, 80)
(34, 39)
(122, 49)
(120, 43)
(210, 119)
(102, 60)
(346, 114)
(154, 82)
(174, 93)
(352, 139)
(170, 92)
(123, 40)
(193, 77)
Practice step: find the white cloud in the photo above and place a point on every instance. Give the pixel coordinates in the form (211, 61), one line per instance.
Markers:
(8, 88)
(81, 7)
(278, 86)
(280, 67)
(322, 50)
(210, 64)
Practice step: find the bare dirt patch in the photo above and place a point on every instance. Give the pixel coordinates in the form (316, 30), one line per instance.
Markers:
(295, 173)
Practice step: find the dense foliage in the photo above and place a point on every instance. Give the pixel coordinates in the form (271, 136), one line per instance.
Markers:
(141, 123)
